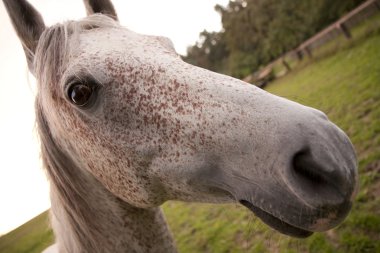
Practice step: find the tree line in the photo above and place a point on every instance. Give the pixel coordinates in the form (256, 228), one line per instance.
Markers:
(255, 32)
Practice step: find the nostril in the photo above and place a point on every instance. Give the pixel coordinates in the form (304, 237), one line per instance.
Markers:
(306, 168)
(315, 179)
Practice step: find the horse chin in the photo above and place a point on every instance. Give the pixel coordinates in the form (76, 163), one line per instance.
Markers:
(276, 223)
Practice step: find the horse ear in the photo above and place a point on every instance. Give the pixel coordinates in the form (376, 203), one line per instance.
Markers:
(28, 24)
(100, 6)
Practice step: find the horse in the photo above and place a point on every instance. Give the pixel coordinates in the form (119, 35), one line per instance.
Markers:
(125, 125)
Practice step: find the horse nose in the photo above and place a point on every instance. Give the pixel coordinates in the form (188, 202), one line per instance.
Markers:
(321, 182)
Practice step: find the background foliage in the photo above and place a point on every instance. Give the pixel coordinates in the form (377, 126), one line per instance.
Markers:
(256, 32)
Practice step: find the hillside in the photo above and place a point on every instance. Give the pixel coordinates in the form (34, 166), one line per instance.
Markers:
(31, 237)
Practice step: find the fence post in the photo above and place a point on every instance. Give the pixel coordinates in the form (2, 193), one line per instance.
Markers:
(308, 52)
(342, 27)
(285, 64)
(299, 55)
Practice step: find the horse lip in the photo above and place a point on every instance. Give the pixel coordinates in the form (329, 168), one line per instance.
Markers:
(275, 222)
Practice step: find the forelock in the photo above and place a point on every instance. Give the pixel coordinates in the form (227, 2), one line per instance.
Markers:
(54, 46)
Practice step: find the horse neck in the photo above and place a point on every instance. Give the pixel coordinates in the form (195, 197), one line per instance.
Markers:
(97, 221)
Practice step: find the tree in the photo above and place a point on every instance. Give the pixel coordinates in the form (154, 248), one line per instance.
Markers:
(256, 32)
(209, 52)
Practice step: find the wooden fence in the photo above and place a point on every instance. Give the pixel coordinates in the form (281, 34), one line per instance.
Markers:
(342, 26)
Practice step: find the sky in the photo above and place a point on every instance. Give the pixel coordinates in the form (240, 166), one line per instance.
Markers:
(24, 191)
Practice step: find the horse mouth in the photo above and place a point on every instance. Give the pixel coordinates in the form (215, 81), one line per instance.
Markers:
(275, 222)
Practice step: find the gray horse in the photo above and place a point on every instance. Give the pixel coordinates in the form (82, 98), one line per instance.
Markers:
(126, 125)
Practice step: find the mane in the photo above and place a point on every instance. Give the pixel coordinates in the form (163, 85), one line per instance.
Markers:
(69, 184)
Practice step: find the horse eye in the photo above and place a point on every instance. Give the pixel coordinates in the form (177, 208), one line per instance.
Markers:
(80, 94)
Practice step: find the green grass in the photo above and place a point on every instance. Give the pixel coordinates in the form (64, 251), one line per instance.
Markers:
(32, 237)
(346, 85)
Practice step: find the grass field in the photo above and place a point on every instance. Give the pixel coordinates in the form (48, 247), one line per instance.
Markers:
(32, 237)
(344, 84)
